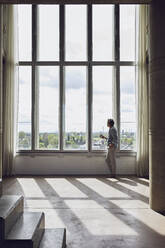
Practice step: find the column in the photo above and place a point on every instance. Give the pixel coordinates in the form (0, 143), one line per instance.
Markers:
(157, 105)
(1, 83)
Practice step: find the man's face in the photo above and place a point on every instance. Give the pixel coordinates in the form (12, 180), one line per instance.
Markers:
(108, 124)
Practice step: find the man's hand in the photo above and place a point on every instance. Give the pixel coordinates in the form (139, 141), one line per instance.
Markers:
(102, 136)
(111, 145)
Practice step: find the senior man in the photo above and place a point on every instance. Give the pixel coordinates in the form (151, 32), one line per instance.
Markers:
(111, 145)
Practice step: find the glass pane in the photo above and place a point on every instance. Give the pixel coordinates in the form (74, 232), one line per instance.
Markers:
(76, 32)
(128, 136)
(103, 34)
(48, 82)
(127, 32)
(102, 104)
(127, 107)
(48, 34)
(75, 136)
(24, 112)
(127, 94)
(25, 32)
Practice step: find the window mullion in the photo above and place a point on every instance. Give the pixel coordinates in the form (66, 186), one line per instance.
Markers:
(116, 84)
(89, 99)
(35, 105)
(62, 56)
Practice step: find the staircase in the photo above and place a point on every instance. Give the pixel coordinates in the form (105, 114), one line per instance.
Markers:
(19, 229)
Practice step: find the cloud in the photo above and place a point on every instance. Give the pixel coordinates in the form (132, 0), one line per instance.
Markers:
(127, 109)
(128, 99)
(102, 92)
(48, 77)
(21, 81)
(24, 118)
(75, 79)
(128, 87)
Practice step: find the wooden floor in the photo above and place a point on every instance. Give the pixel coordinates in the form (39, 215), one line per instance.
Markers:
(97, 212)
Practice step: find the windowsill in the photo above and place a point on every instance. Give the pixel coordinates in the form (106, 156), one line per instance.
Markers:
(69, 152)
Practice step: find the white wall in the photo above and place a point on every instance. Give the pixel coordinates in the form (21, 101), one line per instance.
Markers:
(71, 164)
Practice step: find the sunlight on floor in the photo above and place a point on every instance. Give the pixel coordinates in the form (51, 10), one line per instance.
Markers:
(101, 188)
(64, 188)
(89, 204)
(95, 211)
(38, 203)
(30, 187)
(131, 203)
(104, 222)
(150, 219)
(135, 185)
(52, 217)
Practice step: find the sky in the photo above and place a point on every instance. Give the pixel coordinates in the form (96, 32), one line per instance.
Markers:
(75, 104)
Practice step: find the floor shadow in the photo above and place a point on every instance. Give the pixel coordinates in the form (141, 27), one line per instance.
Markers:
(127, 181)
(147, 237)
(141, 181)
(48, 191)
(80, 235)
(9, 183)
(125, 190)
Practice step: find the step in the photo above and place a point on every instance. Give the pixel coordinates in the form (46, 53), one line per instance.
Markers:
(11, 207)
(27, 231)
(54, 238)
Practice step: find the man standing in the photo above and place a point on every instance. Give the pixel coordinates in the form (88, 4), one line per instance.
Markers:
(112, 145)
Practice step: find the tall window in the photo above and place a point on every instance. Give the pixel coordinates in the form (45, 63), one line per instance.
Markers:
(76, 70)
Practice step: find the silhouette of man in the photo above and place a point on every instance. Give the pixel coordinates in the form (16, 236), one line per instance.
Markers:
(112, 145)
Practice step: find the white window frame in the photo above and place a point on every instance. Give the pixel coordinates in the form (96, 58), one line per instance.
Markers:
(116, 63)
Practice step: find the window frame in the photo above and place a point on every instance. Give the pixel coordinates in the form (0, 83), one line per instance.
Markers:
(116, 63)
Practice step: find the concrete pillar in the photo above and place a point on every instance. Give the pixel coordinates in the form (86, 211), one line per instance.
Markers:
(157, 105)
(1, 82)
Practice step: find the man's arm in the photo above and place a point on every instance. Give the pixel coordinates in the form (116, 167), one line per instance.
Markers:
(114, 137)
(103, 137)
